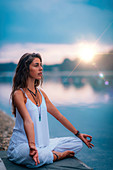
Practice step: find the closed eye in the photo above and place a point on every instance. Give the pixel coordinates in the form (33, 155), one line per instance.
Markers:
(38, 64)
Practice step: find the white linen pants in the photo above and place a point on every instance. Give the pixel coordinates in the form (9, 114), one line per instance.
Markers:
(20, 153)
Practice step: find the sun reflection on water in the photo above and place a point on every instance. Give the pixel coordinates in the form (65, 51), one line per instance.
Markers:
(71, 95)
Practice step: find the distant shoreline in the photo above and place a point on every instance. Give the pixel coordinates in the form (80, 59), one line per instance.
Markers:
(77, 73)
(6, 129)
(63, 73)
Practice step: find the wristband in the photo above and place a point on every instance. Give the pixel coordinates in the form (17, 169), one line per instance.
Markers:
(77, 133)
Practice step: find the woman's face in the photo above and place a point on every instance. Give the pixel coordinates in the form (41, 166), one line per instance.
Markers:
(35, 69)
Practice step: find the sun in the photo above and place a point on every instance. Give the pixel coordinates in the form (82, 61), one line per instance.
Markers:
(87, 52)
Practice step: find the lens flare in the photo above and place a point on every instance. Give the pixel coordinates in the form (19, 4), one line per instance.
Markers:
(106, 82)
(86, 52)
(101, 75)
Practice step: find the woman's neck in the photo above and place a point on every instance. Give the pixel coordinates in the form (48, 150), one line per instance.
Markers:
(30, 84)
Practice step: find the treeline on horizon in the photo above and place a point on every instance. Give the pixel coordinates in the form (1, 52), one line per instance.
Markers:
(104, 62)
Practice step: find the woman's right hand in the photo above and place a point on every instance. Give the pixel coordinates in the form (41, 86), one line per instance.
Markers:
(34, 154)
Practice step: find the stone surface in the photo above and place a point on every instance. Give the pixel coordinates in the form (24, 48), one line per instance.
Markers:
(6, 129)
(65, 164)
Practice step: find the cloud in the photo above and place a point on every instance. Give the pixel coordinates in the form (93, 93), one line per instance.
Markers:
(51, 53)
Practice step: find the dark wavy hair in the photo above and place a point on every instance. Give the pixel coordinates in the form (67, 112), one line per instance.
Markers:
(22, 74)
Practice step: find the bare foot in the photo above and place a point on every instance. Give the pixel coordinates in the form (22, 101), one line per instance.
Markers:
(62, 155)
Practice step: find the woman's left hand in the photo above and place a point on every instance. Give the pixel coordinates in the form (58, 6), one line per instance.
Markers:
(84, 138)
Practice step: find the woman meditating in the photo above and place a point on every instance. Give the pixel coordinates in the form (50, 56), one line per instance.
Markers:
(30, 144)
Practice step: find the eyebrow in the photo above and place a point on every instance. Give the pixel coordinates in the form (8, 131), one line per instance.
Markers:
(38, 63)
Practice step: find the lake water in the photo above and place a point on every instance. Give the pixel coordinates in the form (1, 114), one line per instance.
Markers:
(87, 101)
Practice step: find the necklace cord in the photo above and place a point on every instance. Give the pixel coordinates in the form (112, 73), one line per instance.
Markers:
(34, 95)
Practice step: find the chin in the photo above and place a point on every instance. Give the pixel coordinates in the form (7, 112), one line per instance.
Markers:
(39, 78)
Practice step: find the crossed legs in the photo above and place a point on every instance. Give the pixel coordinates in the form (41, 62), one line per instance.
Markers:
(67, 147)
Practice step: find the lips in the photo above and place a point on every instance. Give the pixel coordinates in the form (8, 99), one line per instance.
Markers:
(39, 74)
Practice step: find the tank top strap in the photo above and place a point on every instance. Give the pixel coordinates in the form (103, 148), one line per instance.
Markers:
(24, 92)
(40, 93)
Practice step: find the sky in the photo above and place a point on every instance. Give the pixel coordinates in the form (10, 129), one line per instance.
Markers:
(55, 28)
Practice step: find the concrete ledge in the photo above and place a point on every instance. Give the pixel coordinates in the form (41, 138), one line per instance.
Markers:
(65, 164)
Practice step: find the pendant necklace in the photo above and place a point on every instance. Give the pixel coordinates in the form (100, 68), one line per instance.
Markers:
(34, 96)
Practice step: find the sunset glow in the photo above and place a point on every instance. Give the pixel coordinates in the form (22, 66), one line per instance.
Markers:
(87, 53)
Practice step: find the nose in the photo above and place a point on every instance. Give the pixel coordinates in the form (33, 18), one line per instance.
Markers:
(41, 68)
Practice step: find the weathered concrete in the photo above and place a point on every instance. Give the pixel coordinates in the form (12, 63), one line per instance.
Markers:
(6, 129)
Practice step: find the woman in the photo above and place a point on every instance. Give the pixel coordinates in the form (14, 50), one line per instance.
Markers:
(30, 144)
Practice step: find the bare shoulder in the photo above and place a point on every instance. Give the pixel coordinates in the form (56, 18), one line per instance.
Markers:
(19, 102)
(42, 91)
(44, 94)
(18, 95)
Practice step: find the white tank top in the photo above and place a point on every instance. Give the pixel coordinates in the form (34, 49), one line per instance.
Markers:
(40, 127)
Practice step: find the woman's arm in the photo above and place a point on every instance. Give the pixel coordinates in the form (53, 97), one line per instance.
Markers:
(65, 122)
(19, 102)
(55, 112)
(28, 123)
